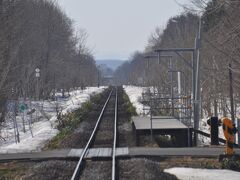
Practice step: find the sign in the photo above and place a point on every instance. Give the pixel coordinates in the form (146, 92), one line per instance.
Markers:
(22, 107)
(37, 70)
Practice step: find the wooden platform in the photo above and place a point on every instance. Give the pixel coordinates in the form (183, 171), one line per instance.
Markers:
(162, 125)
(158, 122)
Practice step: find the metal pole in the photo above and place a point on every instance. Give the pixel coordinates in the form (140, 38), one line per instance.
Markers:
(98, 78)
(29, 124)
(151, 120)
(197, 81)
(38, 89)
(171, 79)
(193, 97)
(37, 71)
(238, 132)
(37, 98)
(231, 95)
(215, 98)
(16, 127)
(179, 82)
(23, 122)
(179, 93)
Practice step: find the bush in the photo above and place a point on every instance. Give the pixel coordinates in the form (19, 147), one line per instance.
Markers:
(70, 121)
(231, 163)
(130, 108)
(59, 137)
(96, 98)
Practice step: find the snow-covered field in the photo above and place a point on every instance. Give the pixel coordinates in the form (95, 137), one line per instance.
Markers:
(203, 174)
(45, 128)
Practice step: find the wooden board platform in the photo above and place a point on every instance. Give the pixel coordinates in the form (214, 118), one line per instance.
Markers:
(162, 125)
(158, 122)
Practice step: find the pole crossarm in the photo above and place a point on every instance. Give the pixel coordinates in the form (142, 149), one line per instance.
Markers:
(150, 56)
(157, 56)
(175, 50)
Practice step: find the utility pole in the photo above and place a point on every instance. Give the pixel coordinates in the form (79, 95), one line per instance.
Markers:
(197, 82)
(179, 94)
(171, 81)
(231, 95)
(98, 77)
(215, 98)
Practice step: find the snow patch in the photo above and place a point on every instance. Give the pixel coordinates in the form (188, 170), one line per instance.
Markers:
(135, 94)
(200, 174)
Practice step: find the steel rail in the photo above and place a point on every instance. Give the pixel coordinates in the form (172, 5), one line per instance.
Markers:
(75, 175)
(115, 139)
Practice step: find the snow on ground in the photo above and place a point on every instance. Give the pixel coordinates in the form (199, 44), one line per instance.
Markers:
(43, 127)
(206, 174)
(135, 94)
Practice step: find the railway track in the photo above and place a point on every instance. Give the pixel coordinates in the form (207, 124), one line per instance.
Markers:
(104, 134)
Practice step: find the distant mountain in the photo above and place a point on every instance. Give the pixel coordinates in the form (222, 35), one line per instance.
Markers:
(110, 63)
(105, 70)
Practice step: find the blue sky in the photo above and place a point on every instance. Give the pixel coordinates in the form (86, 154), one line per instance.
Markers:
(117, 28)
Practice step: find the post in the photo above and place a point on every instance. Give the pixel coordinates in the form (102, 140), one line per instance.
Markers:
(193, 97)
(151, 106)
(16, 132)
(13, 117)
(23, 122)
(231, 95)
(196, 67)
(215, 99)
(171, 79)
(238, 132)
(179, 94)
(54, 86)
(98, 78)
(179, 82)
(37, 70)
